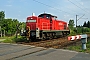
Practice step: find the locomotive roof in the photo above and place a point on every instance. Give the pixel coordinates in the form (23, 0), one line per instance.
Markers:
(47, 14)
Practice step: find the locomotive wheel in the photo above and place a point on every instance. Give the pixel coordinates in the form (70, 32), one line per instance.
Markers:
(28, 40)
(51, 36)
(43, 37)
(54, 36)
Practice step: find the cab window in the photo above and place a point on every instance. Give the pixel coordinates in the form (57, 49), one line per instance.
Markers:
(47, 16)
(42, 16)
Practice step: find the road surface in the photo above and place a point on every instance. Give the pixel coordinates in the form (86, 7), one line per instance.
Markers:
(26, 52)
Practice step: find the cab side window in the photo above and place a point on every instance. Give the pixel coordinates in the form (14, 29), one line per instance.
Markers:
(47, 16)
(42, 16)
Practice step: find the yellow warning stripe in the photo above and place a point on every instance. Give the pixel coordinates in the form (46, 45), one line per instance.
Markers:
(28, 33)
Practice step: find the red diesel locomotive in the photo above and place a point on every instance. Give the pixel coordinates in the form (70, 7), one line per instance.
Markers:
(45, 26)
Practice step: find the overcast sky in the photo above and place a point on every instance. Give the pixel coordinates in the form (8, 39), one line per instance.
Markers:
(63, 9)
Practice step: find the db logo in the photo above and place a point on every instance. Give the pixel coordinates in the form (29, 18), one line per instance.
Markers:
(60, 24)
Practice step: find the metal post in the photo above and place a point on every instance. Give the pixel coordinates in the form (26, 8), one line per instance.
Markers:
(84, 46)
(84, 41)
(76, 21)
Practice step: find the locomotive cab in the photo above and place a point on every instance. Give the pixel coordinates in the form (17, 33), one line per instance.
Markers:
(48, 16)
(50, 19)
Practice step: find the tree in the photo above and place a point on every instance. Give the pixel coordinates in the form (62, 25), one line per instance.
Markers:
(71, 27)
(22, 25)
(9, 26)
(71, 24)
(2, 16)
(88, 24)
(85, 24)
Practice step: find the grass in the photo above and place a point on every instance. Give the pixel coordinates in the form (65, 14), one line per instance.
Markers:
(8, 39)
(3, 37)
(13, 39)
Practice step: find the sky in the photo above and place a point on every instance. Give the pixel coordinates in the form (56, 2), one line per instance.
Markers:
(63, 9)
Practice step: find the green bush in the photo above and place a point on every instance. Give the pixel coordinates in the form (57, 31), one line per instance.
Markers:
(20, 39)
(72, 33)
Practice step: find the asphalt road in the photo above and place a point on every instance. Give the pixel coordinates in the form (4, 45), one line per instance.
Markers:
(26, 52)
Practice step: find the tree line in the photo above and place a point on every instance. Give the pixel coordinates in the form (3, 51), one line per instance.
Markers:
(80, 29)
(9, 26)
(86, 24)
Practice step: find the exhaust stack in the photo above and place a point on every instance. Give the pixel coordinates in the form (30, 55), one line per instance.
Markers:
(33, 14)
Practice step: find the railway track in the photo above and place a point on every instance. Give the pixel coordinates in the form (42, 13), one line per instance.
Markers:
(54, 43)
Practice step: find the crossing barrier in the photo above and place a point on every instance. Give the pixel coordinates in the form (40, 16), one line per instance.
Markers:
(82, 37)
